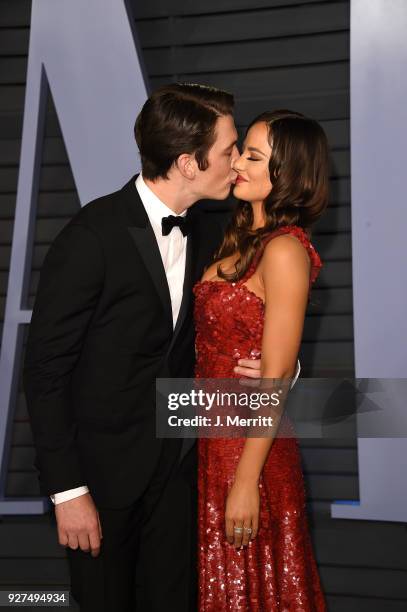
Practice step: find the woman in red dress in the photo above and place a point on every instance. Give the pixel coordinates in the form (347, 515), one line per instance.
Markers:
(255, 552)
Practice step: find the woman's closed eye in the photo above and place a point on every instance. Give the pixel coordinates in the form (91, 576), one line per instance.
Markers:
(253, 159)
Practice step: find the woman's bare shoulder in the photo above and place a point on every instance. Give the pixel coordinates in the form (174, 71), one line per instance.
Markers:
(283, 254)
(285, 247)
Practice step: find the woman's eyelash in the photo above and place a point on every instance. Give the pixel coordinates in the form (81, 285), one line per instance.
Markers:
(253, 159)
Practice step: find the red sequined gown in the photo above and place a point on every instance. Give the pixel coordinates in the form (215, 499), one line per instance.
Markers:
(277, 571)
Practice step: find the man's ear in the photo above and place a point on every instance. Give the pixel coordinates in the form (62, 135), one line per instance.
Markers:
(186, 164)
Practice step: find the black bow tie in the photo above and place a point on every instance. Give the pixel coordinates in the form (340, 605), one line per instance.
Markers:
(167, 223)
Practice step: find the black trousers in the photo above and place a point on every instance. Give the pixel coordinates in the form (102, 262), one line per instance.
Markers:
(148, 558)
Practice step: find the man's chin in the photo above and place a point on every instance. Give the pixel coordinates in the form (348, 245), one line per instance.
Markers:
(224, 194)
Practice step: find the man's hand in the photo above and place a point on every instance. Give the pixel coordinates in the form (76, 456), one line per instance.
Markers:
(249, 368)
(79, 525)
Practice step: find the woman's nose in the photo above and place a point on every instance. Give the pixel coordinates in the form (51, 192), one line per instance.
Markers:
(237, 165)
(235, 155)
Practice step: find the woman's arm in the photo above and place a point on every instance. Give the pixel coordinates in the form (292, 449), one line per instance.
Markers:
(285, 272)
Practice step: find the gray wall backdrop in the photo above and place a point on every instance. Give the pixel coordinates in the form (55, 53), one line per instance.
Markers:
(271, 54)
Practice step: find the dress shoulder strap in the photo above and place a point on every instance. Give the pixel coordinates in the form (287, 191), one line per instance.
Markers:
(301, 234)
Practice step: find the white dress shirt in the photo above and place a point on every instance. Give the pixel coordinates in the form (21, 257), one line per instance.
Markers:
(173, 249)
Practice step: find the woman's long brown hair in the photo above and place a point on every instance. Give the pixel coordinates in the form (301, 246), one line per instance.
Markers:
(299, 173)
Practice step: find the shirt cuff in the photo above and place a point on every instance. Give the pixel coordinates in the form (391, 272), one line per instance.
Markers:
(296, 375)
(64, 496)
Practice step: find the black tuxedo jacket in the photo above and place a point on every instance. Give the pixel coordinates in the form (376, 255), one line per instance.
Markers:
(101, 333)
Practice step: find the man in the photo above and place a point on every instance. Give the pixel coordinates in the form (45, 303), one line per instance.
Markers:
(113, 313)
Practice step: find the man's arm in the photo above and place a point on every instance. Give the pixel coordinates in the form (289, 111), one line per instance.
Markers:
(70, 284)
(71, 281)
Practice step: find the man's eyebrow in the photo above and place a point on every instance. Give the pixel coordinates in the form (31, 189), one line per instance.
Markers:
(231, 145)
(257, 151)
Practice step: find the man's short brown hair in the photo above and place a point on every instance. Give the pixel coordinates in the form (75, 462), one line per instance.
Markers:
(179, 118)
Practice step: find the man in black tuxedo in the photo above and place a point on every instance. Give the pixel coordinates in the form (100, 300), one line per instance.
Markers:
(113, 313)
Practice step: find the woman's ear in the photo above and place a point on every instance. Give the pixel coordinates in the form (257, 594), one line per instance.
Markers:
(186, 164)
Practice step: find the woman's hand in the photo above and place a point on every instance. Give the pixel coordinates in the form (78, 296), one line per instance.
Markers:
(242, 512)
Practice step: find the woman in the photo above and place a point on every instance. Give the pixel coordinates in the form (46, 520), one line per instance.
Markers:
(255, 552)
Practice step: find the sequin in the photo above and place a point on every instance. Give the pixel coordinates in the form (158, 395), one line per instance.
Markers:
(277, 572)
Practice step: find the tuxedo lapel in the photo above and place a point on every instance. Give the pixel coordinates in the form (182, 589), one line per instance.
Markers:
(147, 247)
(144, 239)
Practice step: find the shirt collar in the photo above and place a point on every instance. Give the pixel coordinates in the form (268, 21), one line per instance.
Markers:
(155, 208)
